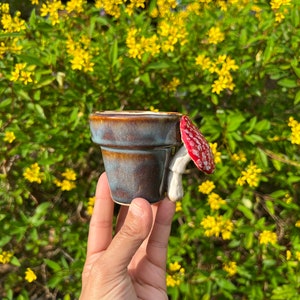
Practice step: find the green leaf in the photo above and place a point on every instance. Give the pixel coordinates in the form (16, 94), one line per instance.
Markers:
(248, 240)
(52, 264)
(277, 164)
(4, 240)
(246, 212)
(31, 60)
(38, 108)
(295, 15)
(297, 98)
(288, 82)
(225, 284)
(54, 281)
(263, 125)
(113, 52)
(253, 138)
(11, 35)
(158, 65)
(278, 194)
(251, 124)
(45, 81)
(67, 297)
(74, 115)
(296, 70)
(234, 120)
(269, 50)
(32, 18)
(15, 262)
(270, 206)
(263, 157)
(5, 102)
(284, 292)
(146, 79)
(40, 211)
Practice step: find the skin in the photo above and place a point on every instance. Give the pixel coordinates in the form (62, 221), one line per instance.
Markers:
(132, 264)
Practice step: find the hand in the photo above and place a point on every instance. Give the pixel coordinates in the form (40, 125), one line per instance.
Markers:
(132, 265)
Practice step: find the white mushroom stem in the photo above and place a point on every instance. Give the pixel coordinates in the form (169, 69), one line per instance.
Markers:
(177, 167)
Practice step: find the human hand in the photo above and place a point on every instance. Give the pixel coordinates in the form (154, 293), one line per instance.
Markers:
(132, 265)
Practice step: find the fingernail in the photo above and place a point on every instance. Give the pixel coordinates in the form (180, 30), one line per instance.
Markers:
(136, 209)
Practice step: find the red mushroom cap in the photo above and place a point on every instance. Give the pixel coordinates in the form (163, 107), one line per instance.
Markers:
(197, 146)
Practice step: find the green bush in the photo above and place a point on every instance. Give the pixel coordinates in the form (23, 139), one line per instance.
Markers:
(233, 66)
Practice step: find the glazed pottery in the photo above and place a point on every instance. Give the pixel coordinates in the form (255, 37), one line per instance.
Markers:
(136, 149)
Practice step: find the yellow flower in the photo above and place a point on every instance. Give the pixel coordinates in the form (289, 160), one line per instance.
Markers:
(298, 224)
(240, 156)
(138, 45)
(178, 206)
(222, 83)
(279, 17)
(67, 185)
(217, 226)
(175, 274)
(25, 77)
(215, 201)
(90, 207)
(52, 9)
(203, 61)
(9, 137)
(298, 255)
(172, 86)
(134, 4)
(173, 267)
(215, 35)
(172, 31)
(172, 281)
(250, 175)
(276, 4)
(30, 275)
(5, 257)
(288, 254)
(111, 7)
(12, 24)
(34, 2)
(152, 108)
(81, 59)
(33, 173)
(20, 74)
(230, 268)
(75, 6)
(4, 8)
(216, 154)
(69, 174)
(295, 128)
(267, 237)
(165, 6)
(288, 199)
(206, 187)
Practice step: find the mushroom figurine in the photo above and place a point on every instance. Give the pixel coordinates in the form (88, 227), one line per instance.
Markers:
(196, 148)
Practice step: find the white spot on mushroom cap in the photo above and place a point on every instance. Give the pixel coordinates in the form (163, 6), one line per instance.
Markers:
(196, 145)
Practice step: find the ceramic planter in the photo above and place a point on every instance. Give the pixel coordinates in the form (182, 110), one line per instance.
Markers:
(136, 148)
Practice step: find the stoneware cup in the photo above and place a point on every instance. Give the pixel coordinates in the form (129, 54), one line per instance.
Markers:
(136, 149)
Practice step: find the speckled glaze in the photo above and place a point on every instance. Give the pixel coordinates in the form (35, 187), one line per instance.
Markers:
(136, 148)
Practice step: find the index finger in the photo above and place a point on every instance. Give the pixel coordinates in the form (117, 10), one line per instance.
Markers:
(100, 230)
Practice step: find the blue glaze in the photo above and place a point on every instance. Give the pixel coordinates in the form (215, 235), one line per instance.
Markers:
(136, 149)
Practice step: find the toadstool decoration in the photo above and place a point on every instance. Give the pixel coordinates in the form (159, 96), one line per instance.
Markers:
(195, 147)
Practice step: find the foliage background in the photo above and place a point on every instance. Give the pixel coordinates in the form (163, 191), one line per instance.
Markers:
(232, 66)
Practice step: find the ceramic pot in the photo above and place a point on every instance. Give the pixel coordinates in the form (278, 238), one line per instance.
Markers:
(136, 148)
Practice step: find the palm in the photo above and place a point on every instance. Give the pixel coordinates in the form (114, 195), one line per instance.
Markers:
(132, 264)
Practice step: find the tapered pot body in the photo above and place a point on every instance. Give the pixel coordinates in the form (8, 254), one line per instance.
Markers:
(136, 148)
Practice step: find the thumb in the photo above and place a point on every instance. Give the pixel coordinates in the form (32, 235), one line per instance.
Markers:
(134, 231)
